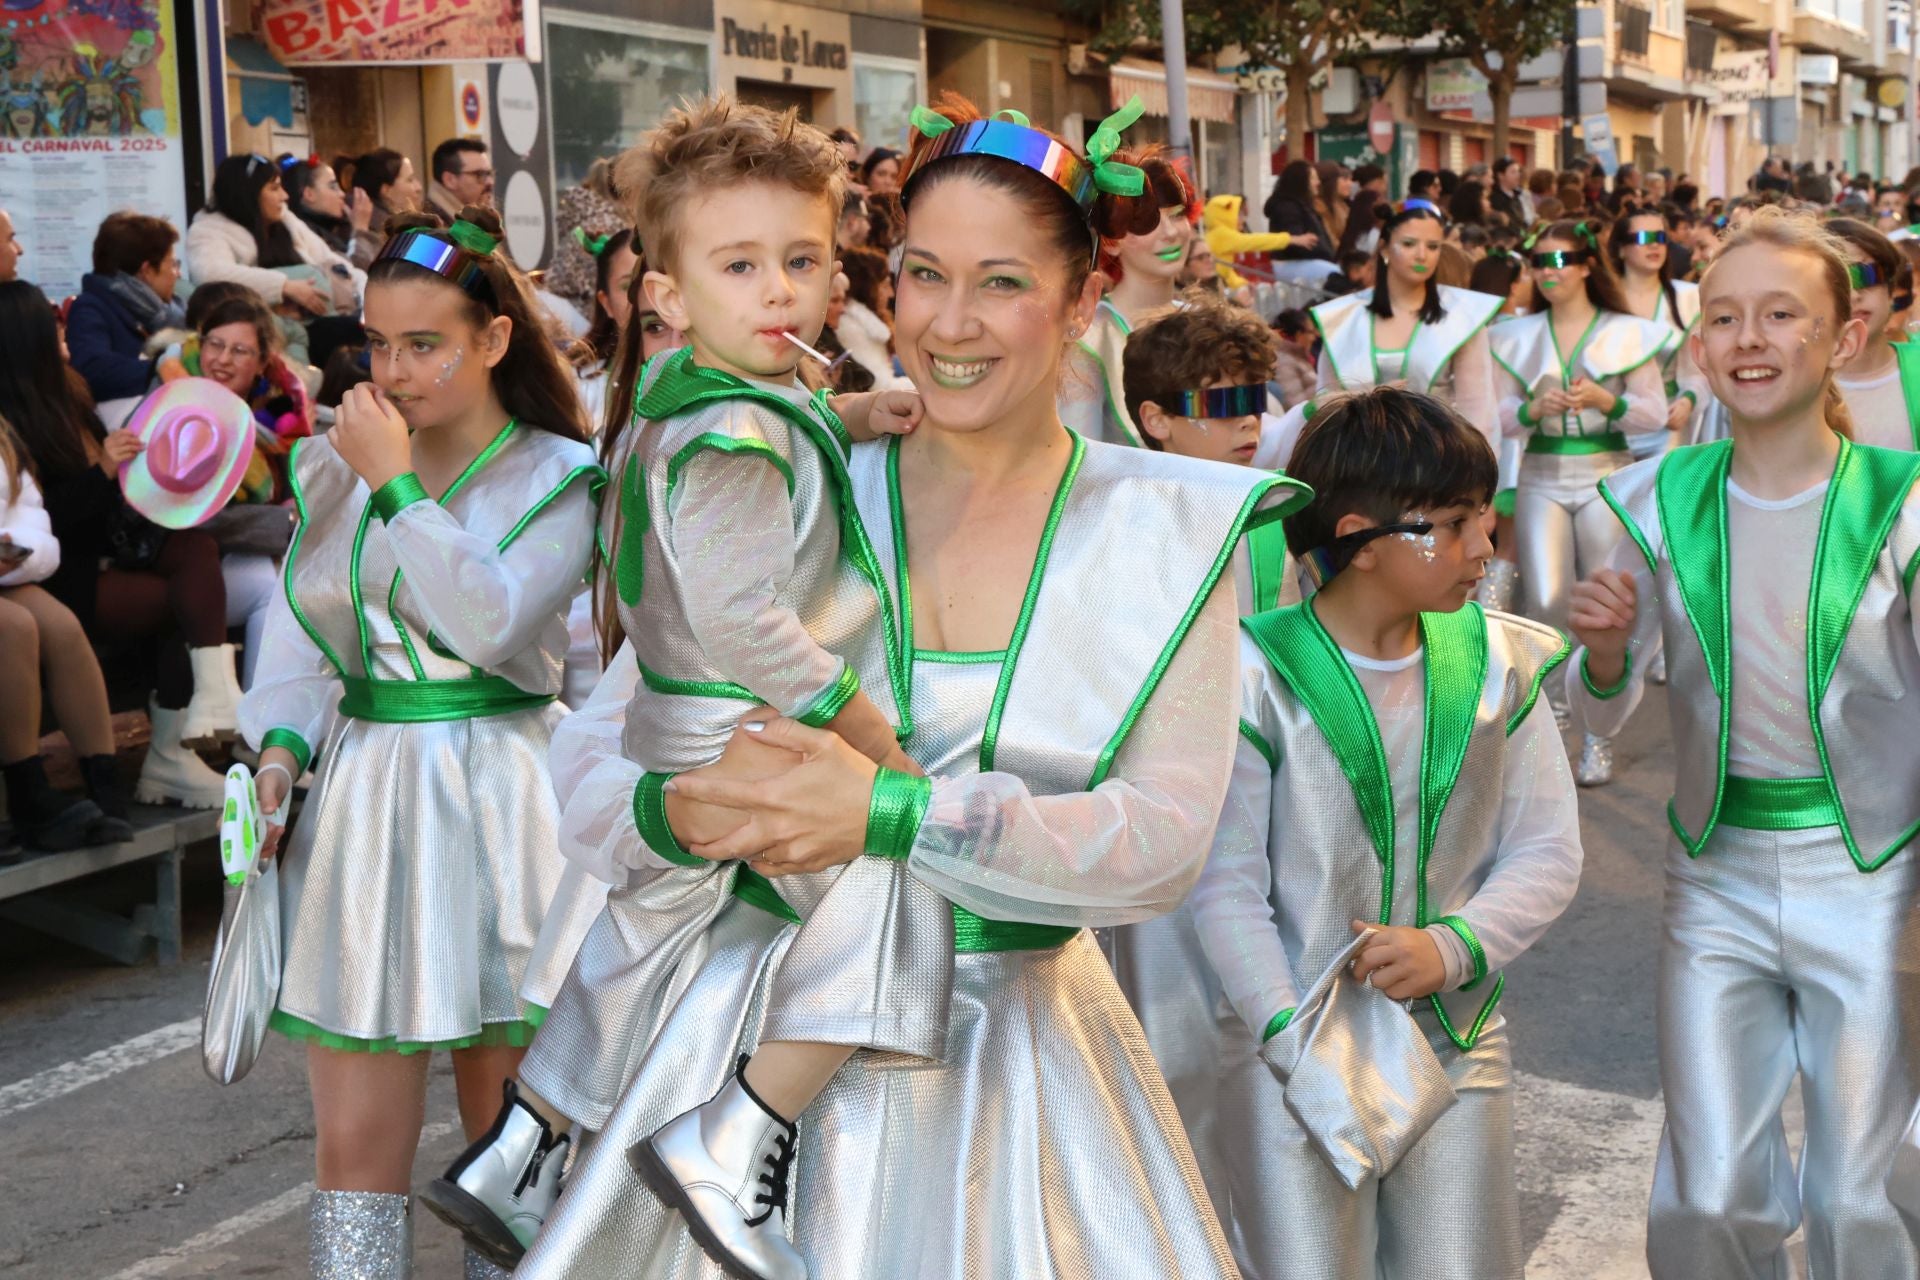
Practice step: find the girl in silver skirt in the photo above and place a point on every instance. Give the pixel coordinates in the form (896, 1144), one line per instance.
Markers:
(445, 523)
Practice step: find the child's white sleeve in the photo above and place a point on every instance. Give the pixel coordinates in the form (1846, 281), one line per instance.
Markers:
(1474, 394)
(729, 529)
(294, 687)
(1605, 712)
(594, 780)
(1536, 868)
(1232, 904)
(1130, 848)
(1645, 391)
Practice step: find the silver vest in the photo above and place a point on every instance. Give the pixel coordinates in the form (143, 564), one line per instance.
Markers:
(1341, 857)
(1346, 325)
(1863, 669)
(1615, 346)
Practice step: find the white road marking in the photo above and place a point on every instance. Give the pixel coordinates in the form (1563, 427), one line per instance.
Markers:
(241, 1224)
(58, 1081)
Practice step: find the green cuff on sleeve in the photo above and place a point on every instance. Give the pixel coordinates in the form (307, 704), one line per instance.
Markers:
(288, 740)
(1619, 686)
(1467, 936)
(1691, 397)
(1276, 1025)
(894, 812)
(830, 701)
(1526, 414)
(1619, 409)
(399, 493)
(650, 815)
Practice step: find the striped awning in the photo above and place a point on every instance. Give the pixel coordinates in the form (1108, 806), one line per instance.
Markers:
(1209, 96)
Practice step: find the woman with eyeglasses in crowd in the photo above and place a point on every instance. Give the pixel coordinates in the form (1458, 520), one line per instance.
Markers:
(1640, 250)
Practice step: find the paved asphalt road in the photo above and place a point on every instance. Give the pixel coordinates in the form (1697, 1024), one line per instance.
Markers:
(124, 1162)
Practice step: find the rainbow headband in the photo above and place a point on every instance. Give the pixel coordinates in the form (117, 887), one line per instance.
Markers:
(1220, 402)
(1008, 136)
(458, 261)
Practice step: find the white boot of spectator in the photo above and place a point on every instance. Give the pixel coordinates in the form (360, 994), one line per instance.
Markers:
(174, 773)
(213, 714)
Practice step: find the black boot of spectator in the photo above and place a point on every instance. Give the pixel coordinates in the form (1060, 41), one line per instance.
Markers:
(43, 818)
(103, 784)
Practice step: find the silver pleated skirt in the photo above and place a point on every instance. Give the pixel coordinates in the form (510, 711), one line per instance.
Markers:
(576, 904)
(1042, 1147)
(418, 878)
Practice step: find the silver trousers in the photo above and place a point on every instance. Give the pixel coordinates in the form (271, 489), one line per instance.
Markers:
(1563, 527)
(1450, 1210)
(1780, 956)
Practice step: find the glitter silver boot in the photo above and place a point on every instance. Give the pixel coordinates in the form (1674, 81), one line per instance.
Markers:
(1497, 588)
(478, 1268)
(360, 1235)
(1596, 761)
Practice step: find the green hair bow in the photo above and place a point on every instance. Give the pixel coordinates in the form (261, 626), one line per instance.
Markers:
(473, 239)
(928, 122)
(594, 245)
(1110, 176)
(1586, 232)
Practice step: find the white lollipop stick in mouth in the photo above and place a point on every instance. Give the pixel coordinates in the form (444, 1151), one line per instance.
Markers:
(792, 337)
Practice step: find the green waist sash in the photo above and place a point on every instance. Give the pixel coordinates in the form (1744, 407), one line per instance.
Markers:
(424, 701)
(1778, 804)
(970, 932)
(1610, 442)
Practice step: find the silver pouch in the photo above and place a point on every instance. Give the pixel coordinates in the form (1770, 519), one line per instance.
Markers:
(244, 984)
(1358, 1074)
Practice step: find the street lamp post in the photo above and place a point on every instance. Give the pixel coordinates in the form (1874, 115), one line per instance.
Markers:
(1173, 28)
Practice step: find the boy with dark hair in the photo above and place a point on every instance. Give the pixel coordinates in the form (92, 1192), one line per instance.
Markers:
(1401, 825)
(1295, 377)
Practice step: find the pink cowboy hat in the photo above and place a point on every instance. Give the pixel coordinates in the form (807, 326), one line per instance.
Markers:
(199, 439)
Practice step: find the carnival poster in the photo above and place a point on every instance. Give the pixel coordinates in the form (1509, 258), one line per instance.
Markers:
(89, 125)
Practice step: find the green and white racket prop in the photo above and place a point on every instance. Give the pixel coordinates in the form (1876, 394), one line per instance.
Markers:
(240, 825)
(243, 986)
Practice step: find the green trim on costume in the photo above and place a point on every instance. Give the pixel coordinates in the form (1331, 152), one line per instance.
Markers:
(1504, 501)
(694, 688)
(397, 494)
(1627, 523)
(1525, 415)
(431, 701)
(1250, 519)
(828, 703)
(1472, 1035)
(290, 741)
(629, 570)
(715, 442)
(1864, 498)
(1691, 496)
(960, 657)
(1579, 446)
(1540, 675)
(1374, 348)
(1276, 1024)
(974, 934)
(293, 550)
(894, 811)
(1306, 658)
(990, 735)
(1613, 690)
(650, 817)
(1326, 349)
(1619, 409)
(356, 596)
(585, 469)
(1778, 804)
(1906, 577)
(1266, 749)
(1907, 356)
(757, 891)
(1566, 361)
(1467, 936)
(517, 1034)
(400, 629)
(1267, 564)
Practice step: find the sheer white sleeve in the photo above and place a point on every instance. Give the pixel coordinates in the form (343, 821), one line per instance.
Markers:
(729, 529)
(1130, 848)
(1232, 904)
(294, 686)
(1609, 715)
(1537, 866)
(1645, 390)
(1474, 397)
(1693, 378)
(483, 603)
(1513, 398)
(594, 780)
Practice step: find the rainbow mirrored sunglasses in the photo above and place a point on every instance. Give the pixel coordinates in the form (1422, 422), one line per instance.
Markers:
(1865, 275)
(1646, 237)
(1220, 402)
(1554, 259)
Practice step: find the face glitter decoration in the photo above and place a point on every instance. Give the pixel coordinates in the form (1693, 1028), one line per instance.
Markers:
(1417, 531)
(450, 367)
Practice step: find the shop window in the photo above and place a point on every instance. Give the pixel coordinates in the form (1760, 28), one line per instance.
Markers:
(610, 82)
(1219, 155)
(885, 92)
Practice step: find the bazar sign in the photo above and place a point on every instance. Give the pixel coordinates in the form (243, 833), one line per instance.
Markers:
(767, 41)
(371, 31)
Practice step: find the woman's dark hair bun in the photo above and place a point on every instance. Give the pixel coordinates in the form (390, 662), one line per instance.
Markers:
(415, 220)
(488, 220)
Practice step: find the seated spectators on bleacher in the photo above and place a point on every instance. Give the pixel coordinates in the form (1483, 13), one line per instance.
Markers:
(124, 301)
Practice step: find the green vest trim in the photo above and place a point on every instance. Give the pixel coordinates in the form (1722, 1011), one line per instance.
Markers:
(1267, 558)
(1907, 356)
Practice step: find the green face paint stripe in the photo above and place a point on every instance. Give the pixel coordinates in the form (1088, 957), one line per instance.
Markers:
(717, 443)
(293, 551)
(1265, 486)
(1627, 523)
(629, 568)
(1864, 498)
(990, 736)
(1456, 680)
(1471, 941)
(1546, 669)
(695, 688)
(1311, 665)
(1260, 744)
(1690, 491)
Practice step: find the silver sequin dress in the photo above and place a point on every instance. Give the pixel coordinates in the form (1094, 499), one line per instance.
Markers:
(1043, 1142)
(415, 883)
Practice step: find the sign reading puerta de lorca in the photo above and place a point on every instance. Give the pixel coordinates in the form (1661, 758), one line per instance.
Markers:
(89, 125)
(764, 40)
(346, 32)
